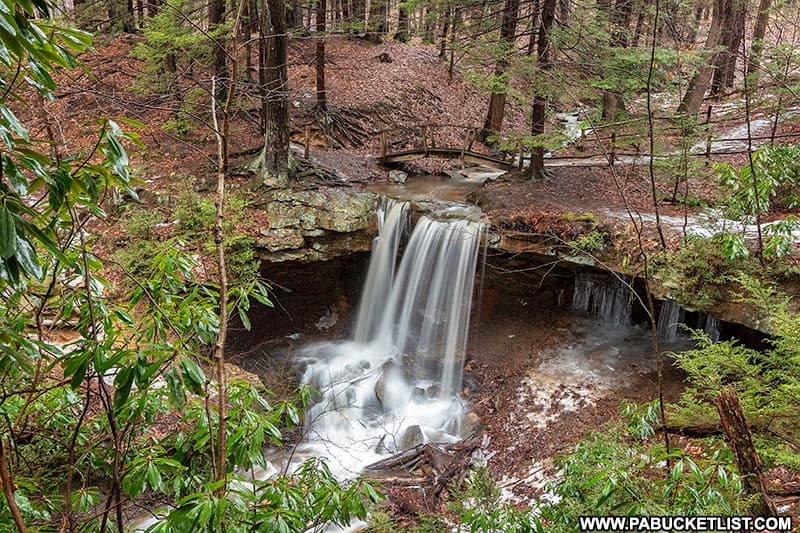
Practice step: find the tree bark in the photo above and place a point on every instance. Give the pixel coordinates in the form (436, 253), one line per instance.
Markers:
(759, 32)
(539, 112)
(448, 14)
(294, 15)
(275, 169)
(497, 100)
(377, 21)
(402, 24)
(358, 14)
(322, 98)
(535, 12)
(216, 17)
(698, 85)
(8, 490)
(744, 453)
(732, 35)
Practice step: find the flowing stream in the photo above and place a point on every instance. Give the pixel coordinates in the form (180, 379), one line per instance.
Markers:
(397, 382)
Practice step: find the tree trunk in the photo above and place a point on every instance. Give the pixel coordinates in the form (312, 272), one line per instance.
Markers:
(427, 36)
(377, 21)
(448, 13)
(759, 32)
(698, 85)
(539, 111)
(732, 35)
(358, 14)
(402, 24)
(564, 9)
(532, 28)
(275, 171)
(637, 32)
(216, 17)
(744, 453)
(497, 100)
(294, 15)
(322, 99)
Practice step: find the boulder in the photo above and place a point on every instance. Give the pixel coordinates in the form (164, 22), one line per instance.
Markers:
(398, 176)
(411, 437)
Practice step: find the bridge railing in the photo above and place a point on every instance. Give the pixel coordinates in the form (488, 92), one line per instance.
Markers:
(426, 137)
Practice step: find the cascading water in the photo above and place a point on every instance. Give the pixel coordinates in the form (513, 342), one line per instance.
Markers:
(397, 383)
(610, 302)
(711, 328)
(669, 318)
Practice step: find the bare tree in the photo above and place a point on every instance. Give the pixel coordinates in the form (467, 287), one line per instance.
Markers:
(544, 62)
(497, 100)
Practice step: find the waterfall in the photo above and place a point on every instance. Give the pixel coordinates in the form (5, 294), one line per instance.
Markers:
(669, 317)
(396, 383)
(610, 302)
(711, 328)
(392, 223)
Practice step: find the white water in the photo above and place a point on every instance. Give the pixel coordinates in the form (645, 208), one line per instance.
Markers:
(397, 382)
(711, 328)
(669, 318)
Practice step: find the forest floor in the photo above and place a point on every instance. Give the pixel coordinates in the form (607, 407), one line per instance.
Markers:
(414, 87)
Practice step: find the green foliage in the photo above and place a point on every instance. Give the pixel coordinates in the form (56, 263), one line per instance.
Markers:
(772, 180)
(381, 522)
(696, 271)
(592, 241)
(477, 506)
(767, 382)
(91, 411)
(608, 474)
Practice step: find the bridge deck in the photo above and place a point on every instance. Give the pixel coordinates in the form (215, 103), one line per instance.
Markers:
(447, 153)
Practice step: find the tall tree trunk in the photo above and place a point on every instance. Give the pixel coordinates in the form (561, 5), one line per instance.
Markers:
(377, 20)
(744, 453)
(732, 35)
(216, 17)
(535, 9)
(637, 32)
(497, 100)
(759, 32)
(276, 127)
(427, 36)
(698, 85)
(322, 98)
(358, 14)
(402, 24)
(619, 15)
(294, 15)
(544, 63)
(448, 14)
(564, 9)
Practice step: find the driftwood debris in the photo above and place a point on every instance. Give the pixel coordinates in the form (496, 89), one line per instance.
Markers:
(434, 466)
(744, 453)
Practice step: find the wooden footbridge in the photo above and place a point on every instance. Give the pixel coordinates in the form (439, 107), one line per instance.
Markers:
(410, 143)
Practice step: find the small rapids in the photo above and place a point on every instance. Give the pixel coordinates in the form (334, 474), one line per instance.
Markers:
(396, 383)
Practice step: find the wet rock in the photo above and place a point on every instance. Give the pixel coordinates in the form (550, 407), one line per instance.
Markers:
(390, 370)
(470, 384)
(278, 239)
(328, 320)
(317, 224)
(470, 425)
(398, 176)
(411, 437)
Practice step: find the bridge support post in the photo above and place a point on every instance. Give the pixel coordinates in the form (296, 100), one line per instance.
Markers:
(383, 145)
